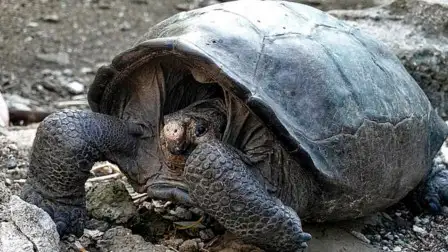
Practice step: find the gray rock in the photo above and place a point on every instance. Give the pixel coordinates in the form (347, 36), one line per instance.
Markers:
(419, 230)
(360, 236)
(189, 246)
(181, 213)
(121, 239)
(5, 193)
(35, 224)
(60, 58)
(87, 70)
(206, 234)
(51, 18)
(397, 249)
(390, 237)
(92, 234)
(12, 240)
(11, 163)
(97, 225)
(125, 26)
(67, 72)
(416, 30)
(4, 114)
(18, 102)
(175, 243)
(110, 202)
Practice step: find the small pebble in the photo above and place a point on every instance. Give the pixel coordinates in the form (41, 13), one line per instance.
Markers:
(87, 70)
(175, 243)
(206, 234)
(397, 249)
(125, 26)
(94, 224)
(425, 221)
(360, 236)
(11, 163)
(445, 210)
(377, 237)
(75, 87)
(52, 18)
(67, 72)
(419, 230)
(12, 147)
(94, 234)
(181, 213)
(387, 216)
(399, 242)
(71, 238)
(189, 246)
(390, 236)
(33, 24)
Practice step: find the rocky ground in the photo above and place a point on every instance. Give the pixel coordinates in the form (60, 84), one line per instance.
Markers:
(50, 51)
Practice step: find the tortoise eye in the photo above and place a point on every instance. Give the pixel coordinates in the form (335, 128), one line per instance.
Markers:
(200, 129)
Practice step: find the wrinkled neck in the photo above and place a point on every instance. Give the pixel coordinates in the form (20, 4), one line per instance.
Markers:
(282, 176)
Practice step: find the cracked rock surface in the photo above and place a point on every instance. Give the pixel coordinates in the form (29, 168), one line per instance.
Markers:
(25, 227)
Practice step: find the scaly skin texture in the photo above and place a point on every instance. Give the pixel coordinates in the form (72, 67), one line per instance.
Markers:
(66, 146)
(431, 194)
(436, 193)
(222, 184)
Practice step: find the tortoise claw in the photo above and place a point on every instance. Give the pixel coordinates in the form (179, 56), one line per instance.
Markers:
(223, 186)
(69, 219)
(436, 191)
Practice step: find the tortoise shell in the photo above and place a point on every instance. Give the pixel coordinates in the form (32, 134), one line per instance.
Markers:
(337, 99)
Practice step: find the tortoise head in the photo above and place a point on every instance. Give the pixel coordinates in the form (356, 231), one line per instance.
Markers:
(182, 132)
(185, 129)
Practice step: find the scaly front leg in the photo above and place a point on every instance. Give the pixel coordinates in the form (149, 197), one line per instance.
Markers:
(223, 186)
(66, 146)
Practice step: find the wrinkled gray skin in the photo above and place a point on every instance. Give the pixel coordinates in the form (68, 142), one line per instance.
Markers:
(302, 125)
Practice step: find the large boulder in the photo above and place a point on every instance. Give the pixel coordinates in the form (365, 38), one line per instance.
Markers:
(35, 224)
(25, 227)
(417, 32)
(12, 240)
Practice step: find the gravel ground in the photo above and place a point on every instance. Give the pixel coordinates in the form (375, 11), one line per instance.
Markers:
(50, 51)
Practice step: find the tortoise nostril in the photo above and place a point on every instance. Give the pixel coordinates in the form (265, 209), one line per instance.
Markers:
(175, 130)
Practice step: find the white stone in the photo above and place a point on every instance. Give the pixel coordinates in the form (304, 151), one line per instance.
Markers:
(12, 240)
(419, 230)
(75, 87)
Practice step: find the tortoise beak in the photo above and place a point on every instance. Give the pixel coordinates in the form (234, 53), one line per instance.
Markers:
(175, 137)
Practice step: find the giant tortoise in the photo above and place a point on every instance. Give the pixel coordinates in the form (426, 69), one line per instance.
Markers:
(262, 113)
